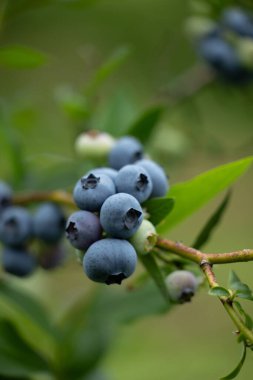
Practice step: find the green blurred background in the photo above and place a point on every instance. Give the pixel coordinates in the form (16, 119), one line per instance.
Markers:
(212, 127)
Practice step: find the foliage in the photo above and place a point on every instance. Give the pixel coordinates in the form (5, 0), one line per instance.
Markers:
(32, 343)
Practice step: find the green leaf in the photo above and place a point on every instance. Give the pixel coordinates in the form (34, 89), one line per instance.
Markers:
(30, 318)
(11, 144)
(219, 291)
(238, 368)
(16, 357)
(107, 69)
(214, 220)
(155, 272)
(72, 103)
(115, 114)
(143, 127)
(117, 305)
(158, 208)
(82, 349)
(247, 319)
(241, 290)
(191, 195)
(21, 57)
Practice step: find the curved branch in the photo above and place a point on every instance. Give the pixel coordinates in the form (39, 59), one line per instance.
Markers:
(205, 262)
(197, 256)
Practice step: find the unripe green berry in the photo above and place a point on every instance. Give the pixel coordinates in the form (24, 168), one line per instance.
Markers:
(244, 49)
(197, 26)
(145, 237)
(181, 286)
(94, 144)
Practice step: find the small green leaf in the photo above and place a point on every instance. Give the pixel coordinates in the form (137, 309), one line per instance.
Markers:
(158, 208)
(115, 114)
(16, 357)
(241, 290)
(21, 57)
(238, 368)
(73, 103)
(208, 228)
(219, 291)
(247, 319)
(191, 195)
(143, 127)
(13, 149)
(107, 69)
(155, 272)
(233, 280)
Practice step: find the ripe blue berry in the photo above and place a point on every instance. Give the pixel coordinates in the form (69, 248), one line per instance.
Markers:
(121, 215)
(5, 195)
(112, 173)
(82, 229)
(15, 226)
(49, 223)
(91, 191)
(158, 177)
(110, 261)
(181, 285)
(134, 180)
(127, 150)
(18, 262)
(238, 21)
(52, 256)
(222, 56)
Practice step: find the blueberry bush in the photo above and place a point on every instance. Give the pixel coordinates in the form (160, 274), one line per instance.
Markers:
(97, 197)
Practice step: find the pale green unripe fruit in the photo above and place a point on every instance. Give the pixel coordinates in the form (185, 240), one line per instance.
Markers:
(145, 238)
(197, 26)
(244, 49)
(94, 144)
(181, 286)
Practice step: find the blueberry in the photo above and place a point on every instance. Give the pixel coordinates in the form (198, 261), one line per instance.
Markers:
(121, 215)
(110, 261)
(49, 223)
(5, 195)
(222, 56)
(52, 256)
(127, 150)
(112, 173)
(134, 180)
(18, 261)
(82, 229)
(238, 21)
(15, 226)
(181, 285)
(158, 177)
(91, 191)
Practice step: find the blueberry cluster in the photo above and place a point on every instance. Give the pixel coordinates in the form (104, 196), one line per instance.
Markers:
(227, 45)
(109, 199)
(19, 230)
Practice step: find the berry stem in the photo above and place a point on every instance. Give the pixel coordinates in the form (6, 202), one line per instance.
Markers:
(57, 196)
(187, 84)
(197, 256)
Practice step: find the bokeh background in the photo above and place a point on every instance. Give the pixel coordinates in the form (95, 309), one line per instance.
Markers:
(212, 127)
